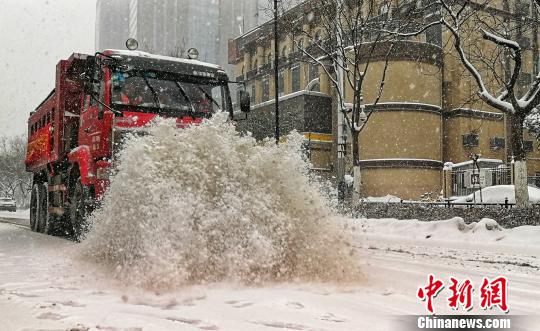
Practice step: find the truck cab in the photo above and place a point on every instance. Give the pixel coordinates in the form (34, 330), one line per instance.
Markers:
(125, 90)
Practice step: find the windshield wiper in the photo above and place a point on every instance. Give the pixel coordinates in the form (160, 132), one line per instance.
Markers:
(209, 97)
(184, 94)
(154, 93)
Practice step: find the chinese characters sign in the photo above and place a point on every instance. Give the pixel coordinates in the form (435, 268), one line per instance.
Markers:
(493, 293)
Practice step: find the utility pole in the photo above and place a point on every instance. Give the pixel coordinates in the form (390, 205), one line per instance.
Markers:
(341, 144)
(132, 23)
(276, 69)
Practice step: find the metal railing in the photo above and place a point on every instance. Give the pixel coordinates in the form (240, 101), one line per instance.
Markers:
(468, 181)
(449, 204)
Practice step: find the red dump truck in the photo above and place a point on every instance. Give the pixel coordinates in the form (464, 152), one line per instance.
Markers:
(74, 133)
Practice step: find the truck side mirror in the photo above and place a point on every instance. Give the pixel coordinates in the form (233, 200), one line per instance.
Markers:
(245, 102)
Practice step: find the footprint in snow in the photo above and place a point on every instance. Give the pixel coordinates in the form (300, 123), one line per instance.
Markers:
(332, 318)
(50, 316)
(110, 328)
(154, 302)
(282, 325)
(195, 322)
(239, 304)
(25, 295)
(296, 305)
(71, 303)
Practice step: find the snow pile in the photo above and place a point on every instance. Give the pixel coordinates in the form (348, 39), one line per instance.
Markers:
(20, 214)
(206, 204)
(454, 230)
(498, 194)
(386, 199)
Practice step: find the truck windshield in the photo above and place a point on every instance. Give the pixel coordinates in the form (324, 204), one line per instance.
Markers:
(168, 96)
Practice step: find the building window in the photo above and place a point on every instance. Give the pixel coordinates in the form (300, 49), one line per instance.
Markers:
(265, 89)
(470, 140)
(295, 73)
(281, 83)
(384, 9)
(528, 146)
(301, 45)
(525, 78)
(523, 8)
(253, 93)
(497, 143)
(434, 35)
(318, 37)
(313, 72)
(254, 65)
(284, 52)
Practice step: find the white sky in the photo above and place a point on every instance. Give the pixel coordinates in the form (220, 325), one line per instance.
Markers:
(34, 36)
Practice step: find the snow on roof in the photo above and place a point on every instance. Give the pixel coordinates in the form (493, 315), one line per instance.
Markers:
(462, 164)
(290, 96)
(405, 103)
(162, 57)
(401, 159)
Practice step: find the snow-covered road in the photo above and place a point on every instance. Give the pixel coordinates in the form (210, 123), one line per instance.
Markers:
(43, 287)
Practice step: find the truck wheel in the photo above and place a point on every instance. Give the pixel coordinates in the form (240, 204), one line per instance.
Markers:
(43, 215)
(34, 207)
(80, 207)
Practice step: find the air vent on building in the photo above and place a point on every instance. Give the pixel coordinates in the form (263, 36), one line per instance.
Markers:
(470, 140)
(528, 146)
(525, 79)
(524, 42)
(497, 143)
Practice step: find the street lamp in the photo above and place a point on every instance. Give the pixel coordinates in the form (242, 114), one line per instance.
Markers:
(362, 115)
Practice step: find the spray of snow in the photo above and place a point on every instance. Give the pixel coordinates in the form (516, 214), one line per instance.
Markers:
(206, 204)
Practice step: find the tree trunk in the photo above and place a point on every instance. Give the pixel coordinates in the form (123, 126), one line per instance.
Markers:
(520, 166)
(357, 184)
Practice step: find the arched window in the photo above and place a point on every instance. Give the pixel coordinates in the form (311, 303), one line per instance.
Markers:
(284, 52)
(301, 44)
(384, 8)
(254, 64)
(318, 37)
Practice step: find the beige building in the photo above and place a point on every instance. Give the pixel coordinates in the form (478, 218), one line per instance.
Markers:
(427, 114)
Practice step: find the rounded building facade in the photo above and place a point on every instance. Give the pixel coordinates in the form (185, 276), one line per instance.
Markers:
(401, 145)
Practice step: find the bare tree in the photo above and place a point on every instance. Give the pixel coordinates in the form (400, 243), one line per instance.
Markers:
(497, 85)
(348, 36)
(15, 182)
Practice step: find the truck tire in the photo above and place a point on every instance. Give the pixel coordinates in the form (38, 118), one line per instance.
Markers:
(79, 208)
(34, 207)
(43, 215)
